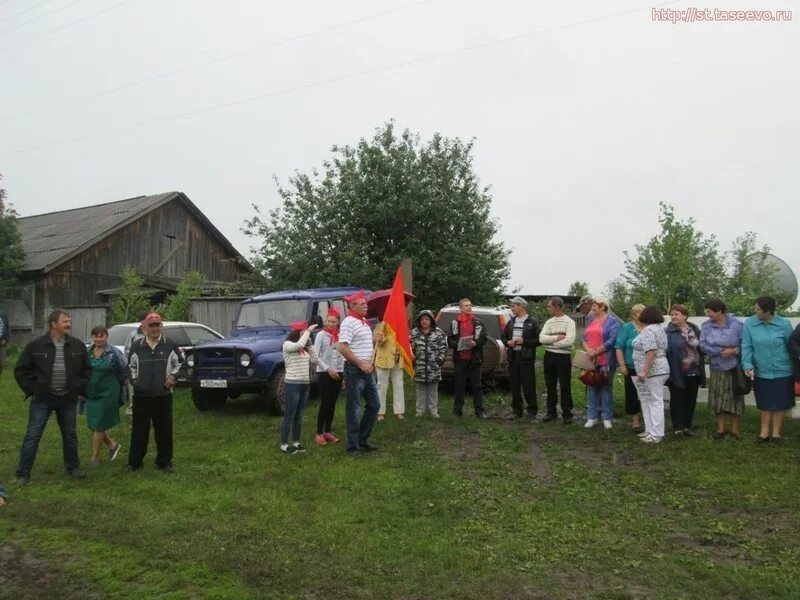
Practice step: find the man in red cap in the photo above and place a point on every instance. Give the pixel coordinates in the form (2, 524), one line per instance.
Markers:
(355, 345)
(154, 364)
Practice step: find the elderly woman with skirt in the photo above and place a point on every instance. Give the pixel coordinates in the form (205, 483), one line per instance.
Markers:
(765, 358)
(105, 392)
(720, 338)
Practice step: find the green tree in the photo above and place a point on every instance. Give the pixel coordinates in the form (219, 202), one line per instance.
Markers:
(578, 288)
(133, 301)
(178, 305)
(12, 256)
(680, 264)
(750, 277)
(620, 298)
(387, 198)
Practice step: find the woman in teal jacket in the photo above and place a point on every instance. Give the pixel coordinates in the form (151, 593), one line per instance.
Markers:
(765, 358)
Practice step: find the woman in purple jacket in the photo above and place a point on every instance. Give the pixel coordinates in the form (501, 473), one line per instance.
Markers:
(720, 338)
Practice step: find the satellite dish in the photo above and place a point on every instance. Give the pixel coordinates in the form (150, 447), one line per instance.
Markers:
(785, 277)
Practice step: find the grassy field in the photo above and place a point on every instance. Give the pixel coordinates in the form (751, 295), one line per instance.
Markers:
(447, 509)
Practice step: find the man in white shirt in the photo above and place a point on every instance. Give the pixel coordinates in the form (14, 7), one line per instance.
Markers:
(558, 338)
(355, 345)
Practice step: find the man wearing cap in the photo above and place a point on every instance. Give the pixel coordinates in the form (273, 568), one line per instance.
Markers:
(467, 337)
(355, 345)
(585, 307)
(520, 337)
(53, 370)
(154, 363)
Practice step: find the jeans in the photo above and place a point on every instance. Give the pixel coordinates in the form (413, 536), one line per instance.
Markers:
(601, 396)
(682, 403)
(296, 395)
(464, 370)
(38, 414)
(157, 409)
(558, 373)
(360, 385)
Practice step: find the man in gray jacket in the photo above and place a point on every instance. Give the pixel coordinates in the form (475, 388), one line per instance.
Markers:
(154, 363)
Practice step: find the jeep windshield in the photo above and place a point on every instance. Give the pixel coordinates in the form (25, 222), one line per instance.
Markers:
(271, 313)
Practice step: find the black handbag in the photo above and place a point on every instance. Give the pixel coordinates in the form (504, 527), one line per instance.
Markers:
(742, 384)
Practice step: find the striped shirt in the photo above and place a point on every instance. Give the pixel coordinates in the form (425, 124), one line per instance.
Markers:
(553, 327)
(58, 379)
(358, 336)
(519, 325)
(296, 358)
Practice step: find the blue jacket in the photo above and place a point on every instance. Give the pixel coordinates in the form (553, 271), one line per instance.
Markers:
(765, 347)
(611, 328)
(675, 344)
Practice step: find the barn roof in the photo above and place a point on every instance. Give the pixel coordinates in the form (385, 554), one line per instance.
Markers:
(53, 238)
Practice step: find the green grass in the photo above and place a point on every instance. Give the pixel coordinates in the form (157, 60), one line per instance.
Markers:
(447, 509)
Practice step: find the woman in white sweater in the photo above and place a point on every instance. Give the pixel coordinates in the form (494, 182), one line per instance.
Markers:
(297, 356)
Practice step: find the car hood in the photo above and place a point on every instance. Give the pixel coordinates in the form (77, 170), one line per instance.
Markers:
(259, 342)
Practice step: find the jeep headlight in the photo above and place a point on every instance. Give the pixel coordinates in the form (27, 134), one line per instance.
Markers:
(244, 360)
(190, 360)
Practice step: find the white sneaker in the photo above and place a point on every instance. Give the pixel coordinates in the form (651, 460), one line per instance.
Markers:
(651, 439)
(590, 423)
(607, 424)
(643, 435)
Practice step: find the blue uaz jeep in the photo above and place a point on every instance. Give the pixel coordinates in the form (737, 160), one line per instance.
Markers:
(250, 361)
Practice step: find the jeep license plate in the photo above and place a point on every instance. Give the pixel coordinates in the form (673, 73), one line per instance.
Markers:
(213, 383)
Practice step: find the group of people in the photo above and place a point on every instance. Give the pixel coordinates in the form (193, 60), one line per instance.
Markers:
(55, 370)
(763, 351)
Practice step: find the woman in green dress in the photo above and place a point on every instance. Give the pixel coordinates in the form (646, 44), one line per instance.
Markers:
(104, 392)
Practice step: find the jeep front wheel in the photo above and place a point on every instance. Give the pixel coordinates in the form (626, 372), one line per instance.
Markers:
(275, 400)
(209, 399)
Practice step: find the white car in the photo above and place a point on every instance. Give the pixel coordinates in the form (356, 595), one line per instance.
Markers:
(185, 335)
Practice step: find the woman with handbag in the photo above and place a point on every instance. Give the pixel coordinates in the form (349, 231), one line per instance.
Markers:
(720, 338)
(652, 371)
(766, 360)
(624, 347)
(687, 369)
(599, 340)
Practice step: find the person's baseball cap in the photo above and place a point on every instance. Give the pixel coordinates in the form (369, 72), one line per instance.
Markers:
(152, 317)
(587, 299)
(601, 300)
(359, 295)
(299, 326)
(518, 300)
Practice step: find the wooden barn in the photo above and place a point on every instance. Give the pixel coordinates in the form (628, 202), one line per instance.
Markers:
(74, 257)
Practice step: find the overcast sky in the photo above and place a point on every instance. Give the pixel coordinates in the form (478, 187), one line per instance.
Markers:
(586, 114)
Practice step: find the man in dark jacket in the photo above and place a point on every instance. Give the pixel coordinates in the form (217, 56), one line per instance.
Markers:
(467, 337)
(53, 370)
(154, 363)
(520, 337)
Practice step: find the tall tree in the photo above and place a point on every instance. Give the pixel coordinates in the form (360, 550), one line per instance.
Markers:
(749, 276)
(578, 288)
(385, 199)
(680, 264)
(12, 253)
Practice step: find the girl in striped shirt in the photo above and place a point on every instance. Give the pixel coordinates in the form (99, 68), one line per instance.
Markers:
(298, 353)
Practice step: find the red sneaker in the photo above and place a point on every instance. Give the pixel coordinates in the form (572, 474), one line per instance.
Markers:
(320, 440)
(330, 437)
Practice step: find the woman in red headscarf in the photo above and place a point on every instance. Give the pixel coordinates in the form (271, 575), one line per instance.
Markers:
(330, 372)
(298, 353)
